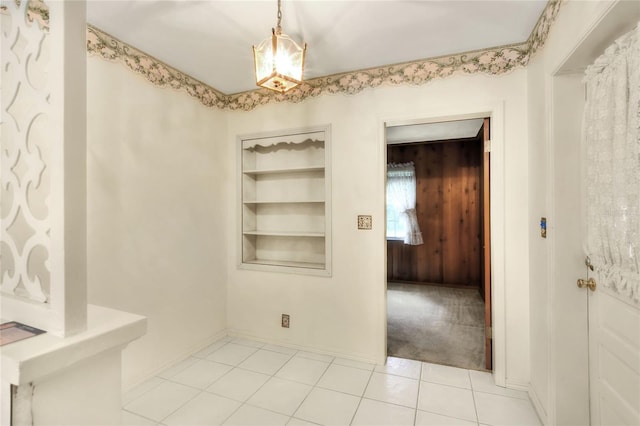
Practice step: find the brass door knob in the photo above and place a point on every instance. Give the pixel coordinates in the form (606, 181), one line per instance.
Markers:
(590, 283)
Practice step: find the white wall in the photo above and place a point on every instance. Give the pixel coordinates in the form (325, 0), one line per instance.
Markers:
(345, 314)
(559, 374)
(156, 213)
(538, 246)
(163, 213)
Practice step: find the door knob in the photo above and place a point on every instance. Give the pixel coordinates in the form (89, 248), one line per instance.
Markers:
(590, 283)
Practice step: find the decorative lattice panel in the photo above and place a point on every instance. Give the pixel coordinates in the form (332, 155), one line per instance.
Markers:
(25, 155)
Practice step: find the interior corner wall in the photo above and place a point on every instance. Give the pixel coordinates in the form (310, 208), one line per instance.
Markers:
(538, 246)
(156, 217)
(345, 314)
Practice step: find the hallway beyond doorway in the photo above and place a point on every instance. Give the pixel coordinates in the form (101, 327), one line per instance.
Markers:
(436, 324)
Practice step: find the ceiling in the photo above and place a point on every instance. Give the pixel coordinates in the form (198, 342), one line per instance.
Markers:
(211, 40)
(441, 131)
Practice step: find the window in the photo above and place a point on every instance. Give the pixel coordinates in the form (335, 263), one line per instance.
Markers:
(402, 221)
(395, 227)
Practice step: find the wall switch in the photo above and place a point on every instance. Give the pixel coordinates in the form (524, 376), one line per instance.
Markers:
(285, 320)
(543, 227)
(364, 222)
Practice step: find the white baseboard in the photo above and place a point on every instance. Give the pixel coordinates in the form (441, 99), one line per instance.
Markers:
(533, 397)
(517, 385)
(184, 355)
(538, 405)
(320, 350)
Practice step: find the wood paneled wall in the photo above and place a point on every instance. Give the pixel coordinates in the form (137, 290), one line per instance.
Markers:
(448, 196)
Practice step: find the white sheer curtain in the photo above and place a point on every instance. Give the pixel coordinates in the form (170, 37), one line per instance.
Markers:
(611, 133)
(401, 193)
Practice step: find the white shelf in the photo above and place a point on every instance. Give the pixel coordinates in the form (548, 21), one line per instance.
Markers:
(284, 170)
(284, 188)
(285, 263)
(285, 234)
(284, 202)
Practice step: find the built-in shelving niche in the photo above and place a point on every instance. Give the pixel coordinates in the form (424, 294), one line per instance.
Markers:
(285, 201)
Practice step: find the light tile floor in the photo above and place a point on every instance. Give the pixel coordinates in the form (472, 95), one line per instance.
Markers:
(243, 382)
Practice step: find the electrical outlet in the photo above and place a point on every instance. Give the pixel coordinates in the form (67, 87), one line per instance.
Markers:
(285, 320)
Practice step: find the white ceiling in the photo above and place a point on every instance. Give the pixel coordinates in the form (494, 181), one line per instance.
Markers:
(441, 131)
(211, 40)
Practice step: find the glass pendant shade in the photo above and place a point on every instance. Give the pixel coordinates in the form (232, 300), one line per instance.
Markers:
(279, 62)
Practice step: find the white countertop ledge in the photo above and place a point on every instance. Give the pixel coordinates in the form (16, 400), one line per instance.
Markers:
(34, 358)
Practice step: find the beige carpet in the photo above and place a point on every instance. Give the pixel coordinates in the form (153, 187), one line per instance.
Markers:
(436, 324)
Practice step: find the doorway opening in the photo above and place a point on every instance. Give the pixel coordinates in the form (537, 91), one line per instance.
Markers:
(438, 272)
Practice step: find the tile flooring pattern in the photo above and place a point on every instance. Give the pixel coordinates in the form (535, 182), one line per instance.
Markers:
(243, 382)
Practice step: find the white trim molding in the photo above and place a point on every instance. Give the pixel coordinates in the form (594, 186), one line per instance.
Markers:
(495, 110)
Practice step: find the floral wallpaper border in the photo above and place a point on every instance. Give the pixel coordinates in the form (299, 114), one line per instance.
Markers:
(493, 61)
(157, 72)
(37, 11)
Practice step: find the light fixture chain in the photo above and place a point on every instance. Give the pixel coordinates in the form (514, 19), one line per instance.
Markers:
(279, 16)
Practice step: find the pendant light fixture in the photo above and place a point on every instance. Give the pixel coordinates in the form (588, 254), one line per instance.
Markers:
(278, 60)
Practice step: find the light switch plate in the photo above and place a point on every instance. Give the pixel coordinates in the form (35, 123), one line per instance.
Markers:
(364, 222)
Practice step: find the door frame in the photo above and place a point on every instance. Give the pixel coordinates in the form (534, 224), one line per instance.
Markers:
(441, 113)
(485, 223)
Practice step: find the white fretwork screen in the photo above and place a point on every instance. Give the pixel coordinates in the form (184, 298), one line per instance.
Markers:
(611, 135)
(38, 177)
(26, 188)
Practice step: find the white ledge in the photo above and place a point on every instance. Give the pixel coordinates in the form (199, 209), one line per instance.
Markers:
(37, 357)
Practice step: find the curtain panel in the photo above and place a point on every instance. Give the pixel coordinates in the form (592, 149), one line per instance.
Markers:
(611, 166)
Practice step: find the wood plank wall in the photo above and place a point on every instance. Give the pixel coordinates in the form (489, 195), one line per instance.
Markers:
(448, 205)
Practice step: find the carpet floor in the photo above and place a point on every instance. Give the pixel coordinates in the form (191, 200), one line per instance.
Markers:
(436, 324)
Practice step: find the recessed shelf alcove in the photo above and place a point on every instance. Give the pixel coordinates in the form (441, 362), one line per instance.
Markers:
(284, 189)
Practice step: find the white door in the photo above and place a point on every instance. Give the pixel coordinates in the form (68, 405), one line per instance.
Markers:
(614, 358)
(611, 186)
